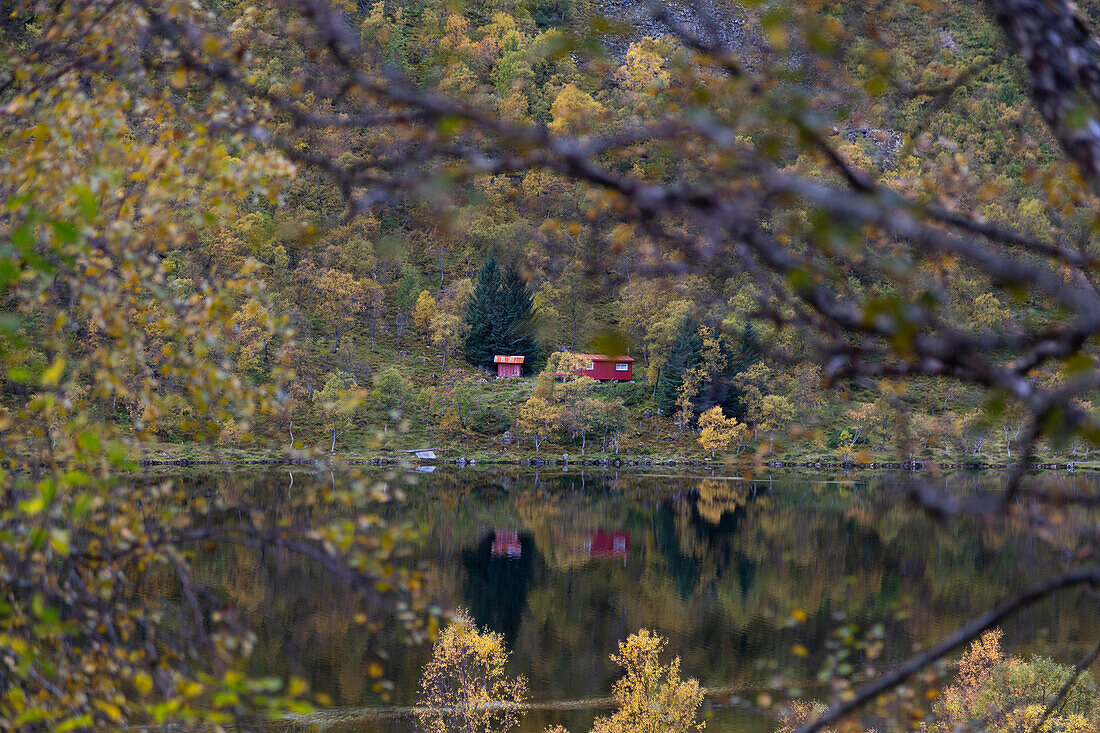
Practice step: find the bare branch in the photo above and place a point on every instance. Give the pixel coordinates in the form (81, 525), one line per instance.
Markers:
(1085, 662)
(960, 636)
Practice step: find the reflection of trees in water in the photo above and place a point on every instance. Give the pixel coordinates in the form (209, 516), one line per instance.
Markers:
(714, 568)
(495, 587)
(695, 535)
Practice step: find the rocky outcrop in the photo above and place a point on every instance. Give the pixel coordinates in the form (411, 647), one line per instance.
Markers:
(634, 20)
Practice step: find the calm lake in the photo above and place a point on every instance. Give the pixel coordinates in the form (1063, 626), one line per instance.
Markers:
(566, 564)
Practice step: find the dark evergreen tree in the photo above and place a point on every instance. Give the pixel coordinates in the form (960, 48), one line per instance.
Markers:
(747, 352)
(517, 332)
(480, 310)
(685, 355)
(500, 314)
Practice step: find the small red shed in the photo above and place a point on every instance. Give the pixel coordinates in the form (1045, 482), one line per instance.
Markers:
(602, 543)
(508, 366)
(506, 543)
(599, 366)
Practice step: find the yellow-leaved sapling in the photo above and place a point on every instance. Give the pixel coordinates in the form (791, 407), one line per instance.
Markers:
(464, 687)
(651, 696)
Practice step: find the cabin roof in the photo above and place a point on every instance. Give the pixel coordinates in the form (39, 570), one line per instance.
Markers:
(604, 357)
(500, 359)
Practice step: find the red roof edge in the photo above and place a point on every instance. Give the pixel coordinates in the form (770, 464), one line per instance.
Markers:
(604, 357)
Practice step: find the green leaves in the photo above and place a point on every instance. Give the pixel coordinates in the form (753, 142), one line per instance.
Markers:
(45, 493)
(89, 207)
(1079, 364)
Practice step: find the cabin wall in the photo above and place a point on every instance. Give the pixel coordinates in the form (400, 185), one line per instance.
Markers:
(606, 370)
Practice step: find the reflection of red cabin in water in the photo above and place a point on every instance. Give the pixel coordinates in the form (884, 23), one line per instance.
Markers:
(602, 543)
(508, 366)
(598, 366)
(506, 543)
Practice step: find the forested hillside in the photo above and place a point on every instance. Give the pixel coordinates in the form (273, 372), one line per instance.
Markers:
(354, 312)
(304, 231)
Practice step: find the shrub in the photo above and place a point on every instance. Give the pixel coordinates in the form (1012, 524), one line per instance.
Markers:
(631, 393)
(489, 421)
(651, 696)
(1009, 694)
(464, 683)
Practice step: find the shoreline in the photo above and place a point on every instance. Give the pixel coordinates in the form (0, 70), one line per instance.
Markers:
(623, 462)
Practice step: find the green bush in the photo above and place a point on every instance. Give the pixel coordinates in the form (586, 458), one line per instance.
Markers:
(489, 421)
(841, 436)
(631, 393)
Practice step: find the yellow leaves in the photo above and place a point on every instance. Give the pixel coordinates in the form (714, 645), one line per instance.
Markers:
(53, 373)
(776, 33)
(652, 697)
(375, 670)
(33, 506)
(465, 674)
(191, 688)
(179, 78)
(142, 682)
(799, 615)
(79, 722)
(644, 66)
(987, 313)
(1011, 693)
(574, 111)
(424, 311)
(621, 235)
(112, 711)
(799, 650)
(60, 540)
(537, 418)
(716, 431)
(16, 697)
(211, 44)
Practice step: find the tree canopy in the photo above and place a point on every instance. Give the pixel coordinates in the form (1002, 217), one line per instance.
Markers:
(500, 316)
(206, 206)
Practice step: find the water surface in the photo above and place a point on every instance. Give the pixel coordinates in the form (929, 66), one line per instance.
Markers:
(566, 564)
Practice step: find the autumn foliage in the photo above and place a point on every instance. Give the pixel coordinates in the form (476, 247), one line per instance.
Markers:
(651, 696)
(1002, 694)
(464, 687)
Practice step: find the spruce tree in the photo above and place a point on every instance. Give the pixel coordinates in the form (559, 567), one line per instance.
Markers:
(500, 314)
(480, 308)
(518, 327)
(685, 355)
(747, 352)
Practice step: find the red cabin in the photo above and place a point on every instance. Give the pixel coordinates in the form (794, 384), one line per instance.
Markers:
(508, 366)
(602, 543)
(598, 366)
(506, 543)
